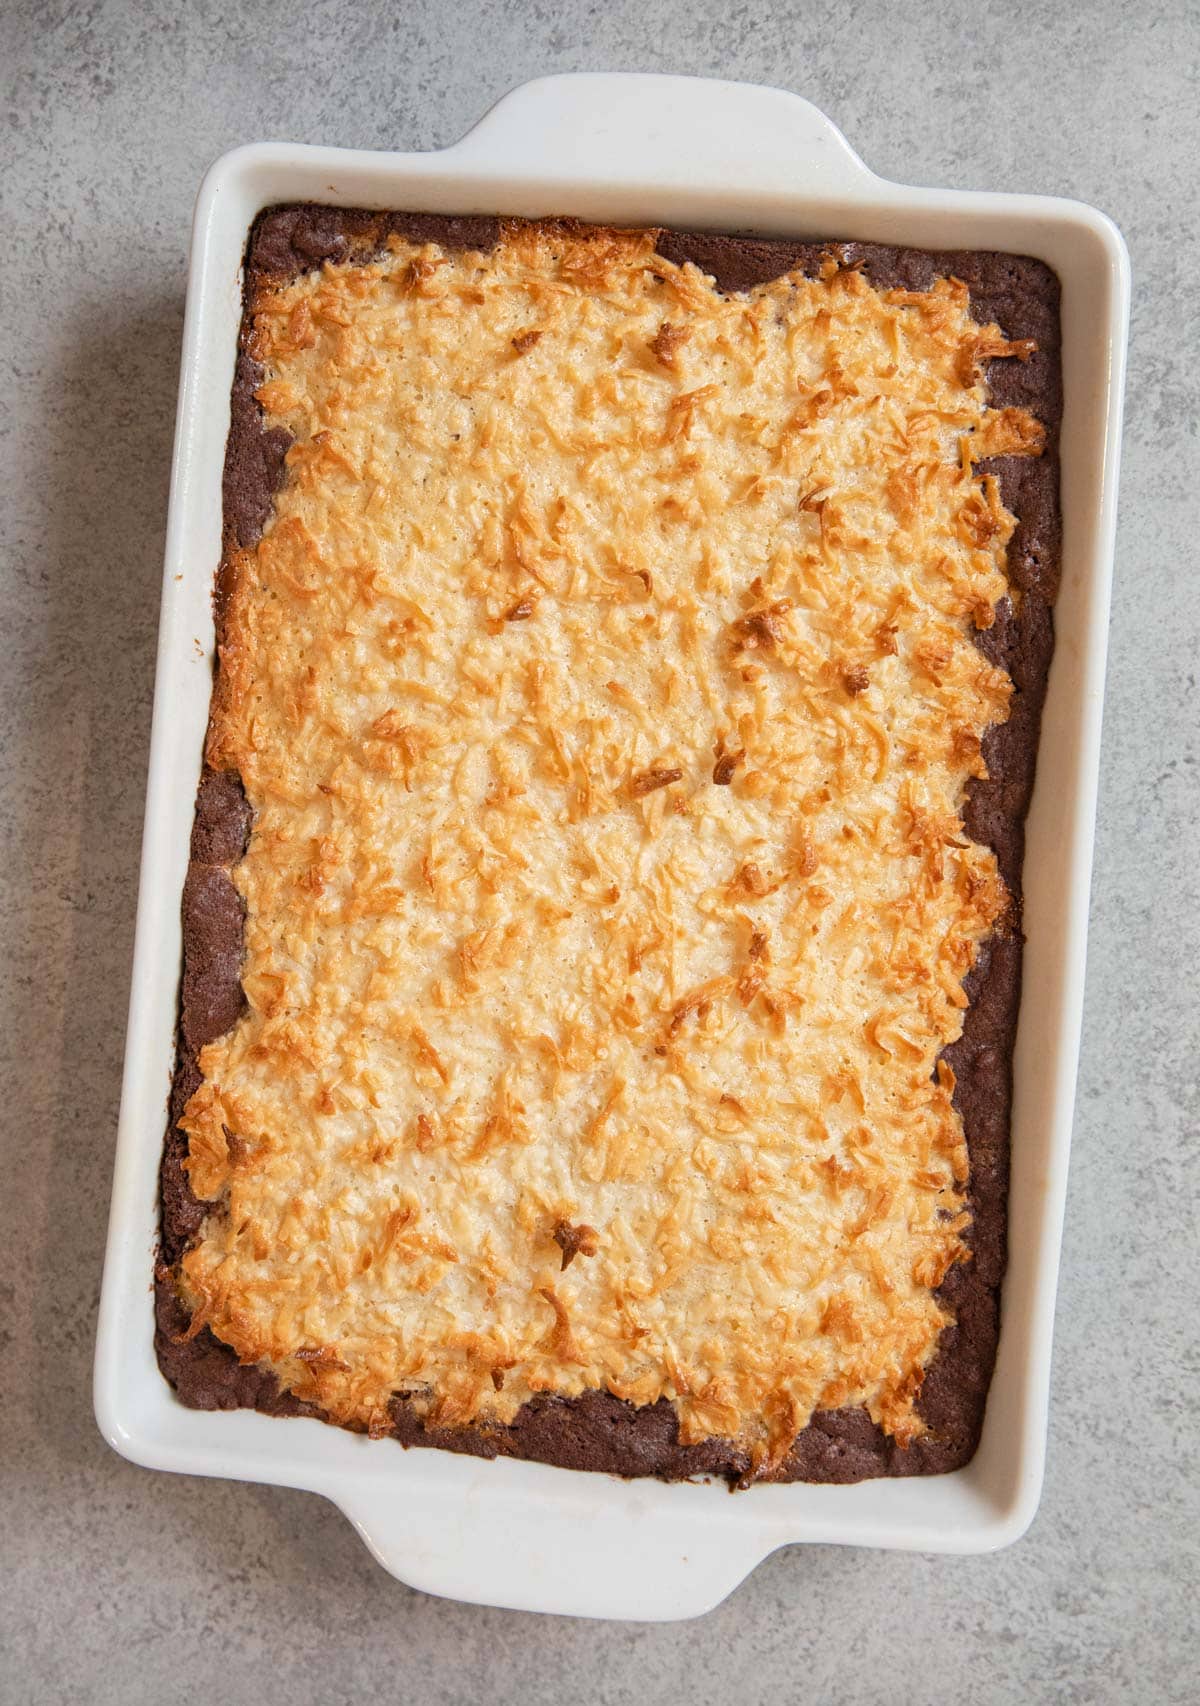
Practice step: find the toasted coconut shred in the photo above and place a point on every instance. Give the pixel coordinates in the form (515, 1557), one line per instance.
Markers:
(604, 689)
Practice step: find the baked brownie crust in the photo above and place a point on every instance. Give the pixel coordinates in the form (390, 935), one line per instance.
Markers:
(596, 1430)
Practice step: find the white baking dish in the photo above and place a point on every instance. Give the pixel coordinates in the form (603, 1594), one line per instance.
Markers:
(701, 154)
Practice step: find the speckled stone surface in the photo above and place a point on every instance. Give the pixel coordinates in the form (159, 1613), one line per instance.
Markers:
(121, 1586)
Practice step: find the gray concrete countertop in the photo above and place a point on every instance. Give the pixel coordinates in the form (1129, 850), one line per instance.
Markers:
(122, 1586)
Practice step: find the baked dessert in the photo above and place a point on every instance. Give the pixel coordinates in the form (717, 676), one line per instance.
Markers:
(602, 932)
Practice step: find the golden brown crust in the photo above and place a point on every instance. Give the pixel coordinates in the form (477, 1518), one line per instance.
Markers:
(955, 530)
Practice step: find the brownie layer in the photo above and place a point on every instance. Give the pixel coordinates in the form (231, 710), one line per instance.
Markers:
(596, 1430)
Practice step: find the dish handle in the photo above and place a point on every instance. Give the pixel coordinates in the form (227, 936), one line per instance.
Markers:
(698, 131)
(526, 1548)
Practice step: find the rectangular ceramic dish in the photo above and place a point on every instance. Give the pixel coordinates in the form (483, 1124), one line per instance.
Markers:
(727, 157)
